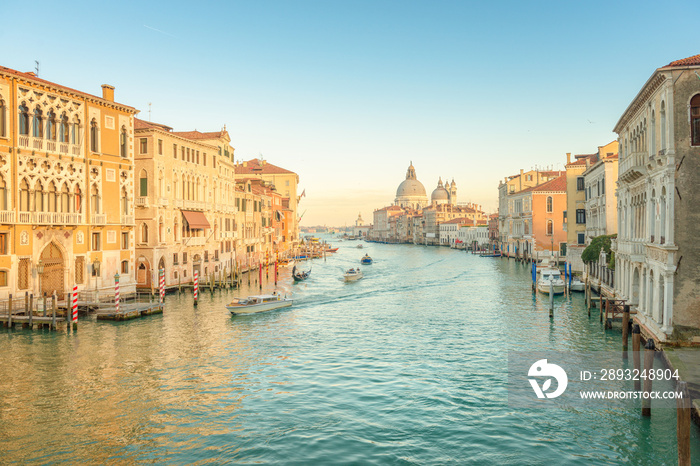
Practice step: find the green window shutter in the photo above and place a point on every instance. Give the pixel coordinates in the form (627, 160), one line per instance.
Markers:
(144, 186)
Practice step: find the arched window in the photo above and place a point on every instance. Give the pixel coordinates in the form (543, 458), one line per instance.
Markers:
(52, 197)
(77, 199)
(24, 196)
(23, 120)
(93, 135)
(143, 183)
(122, 142)
(3, 118)
(695, 120)
(550, 204)
(63, 130)
(124, 202)
(161, 231)
(652, 216)
(39, 205)
(176, 231)
(144, 233)
(550, 228)
(38, 124)
(662, 216)
(51, 126)
(653, 133)
(75, 133)
(662, 129)
(3, 194)
(65, 198)
(95, 200)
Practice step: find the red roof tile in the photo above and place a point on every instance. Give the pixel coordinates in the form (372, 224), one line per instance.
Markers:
(32, 77)
(200, 135)
(459, 220)
(690, 61)
(141, 124)
(556, 185)
(253, 167)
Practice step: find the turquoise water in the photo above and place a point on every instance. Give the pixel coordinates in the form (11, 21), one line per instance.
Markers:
(407, 366)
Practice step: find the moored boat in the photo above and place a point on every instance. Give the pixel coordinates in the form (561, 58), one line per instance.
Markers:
(352, 275)
(550, 278)
(258, 303)
(577, 284)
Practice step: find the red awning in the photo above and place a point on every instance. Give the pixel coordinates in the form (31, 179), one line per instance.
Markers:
(196, 220)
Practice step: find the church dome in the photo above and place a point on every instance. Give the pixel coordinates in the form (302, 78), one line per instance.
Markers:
(411, 192)
(440, 194)
(410, 188)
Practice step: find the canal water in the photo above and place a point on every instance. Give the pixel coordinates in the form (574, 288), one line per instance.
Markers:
(407, 366)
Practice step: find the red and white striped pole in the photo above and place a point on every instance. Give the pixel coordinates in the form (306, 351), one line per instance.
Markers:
(116, 291)
(74, 306)
(277, 259)
(196, 287)
(267, 264)
(161, 274)
(260, 273)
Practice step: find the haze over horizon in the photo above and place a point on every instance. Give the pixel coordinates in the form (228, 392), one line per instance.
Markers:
(348, 94)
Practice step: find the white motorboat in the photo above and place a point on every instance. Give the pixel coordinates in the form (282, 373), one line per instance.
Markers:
(259, 303)
(577, 284)
(550, 278)
(352, 275)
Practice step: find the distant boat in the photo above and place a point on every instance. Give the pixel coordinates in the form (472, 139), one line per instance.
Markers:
(332, 250)
(352, 275)
(359, 246)
(577, 285)
(366, 259)
(299, 275)
(259, 303)
(490, 254)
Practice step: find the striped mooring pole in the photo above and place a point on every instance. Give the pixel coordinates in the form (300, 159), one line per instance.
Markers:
(196, 287)
(116, 291)
(260, 273)
(74, 306)
(161, 284)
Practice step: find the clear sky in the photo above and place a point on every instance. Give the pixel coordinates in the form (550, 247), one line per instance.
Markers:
(347, 93)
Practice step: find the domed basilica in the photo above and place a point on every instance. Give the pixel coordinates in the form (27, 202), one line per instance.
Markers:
(411, 192)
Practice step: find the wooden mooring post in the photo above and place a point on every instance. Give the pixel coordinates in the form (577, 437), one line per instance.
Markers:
(636, 357)
(600, 305)
(31, 311)
(26, 308)
(683, 406)
(649, 350)
(45, 308)
(9, 311)
(625, 329)
(53, 311)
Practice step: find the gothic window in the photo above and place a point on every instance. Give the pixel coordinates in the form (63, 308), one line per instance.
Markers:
(52, 197)
(51, 126)
(95, 200)
(38, 123)
(93, 135)
(63, 129)
(24, 196)
(3, 118)
(550, 203)
(77, 199)
(550, 227)
(144, 233)
(3, 194)
(23, 120)
(695, 120)
(662, 129)
(122, 142)
(75, 134)
(124, 202)
(65, 198)
(38, 198)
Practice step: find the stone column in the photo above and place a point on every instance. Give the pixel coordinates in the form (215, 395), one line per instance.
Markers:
(667, 324)
(649, 306)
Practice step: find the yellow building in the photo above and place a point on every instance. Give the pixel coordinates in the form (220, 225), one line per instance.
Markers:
(185, 210)
(66, 163)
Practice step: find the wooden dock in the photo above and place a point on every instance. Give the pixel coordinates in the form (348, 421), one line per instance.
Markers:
(127, 311)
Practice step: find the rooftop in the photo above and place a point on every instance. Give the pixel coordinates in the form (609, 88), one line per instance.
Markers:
(690, 61)
(260, 167)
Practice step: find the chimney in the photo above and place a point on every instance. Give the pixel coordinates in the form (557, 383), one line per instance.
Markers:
(568, 158)
(108, 92)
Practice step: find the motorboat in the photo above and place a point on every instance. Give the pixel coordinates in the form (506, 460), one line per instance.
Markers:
(577, 284)
(258, 303)
(359, 246)
(366, 259)
(299, 275)
(352, 275)
(550, 277)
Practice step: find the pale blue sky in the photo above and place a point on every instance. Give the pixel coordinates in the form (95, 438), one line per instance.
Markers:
(347, 93)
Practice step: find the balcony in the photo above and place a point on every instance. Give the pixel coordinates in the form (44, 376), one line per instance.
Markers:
(177, 203)
(7, 216)
(194, 205)
(127, 220)
(142, 202)
(29, 142)
(634, 249)
(99, 219)
(633, 167)
(50, 218)
(194, 241)
(163, 201)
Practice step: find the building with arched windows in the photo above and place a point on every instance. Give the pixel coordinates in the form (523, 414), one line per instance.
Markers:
(65, 157)
(657, 251)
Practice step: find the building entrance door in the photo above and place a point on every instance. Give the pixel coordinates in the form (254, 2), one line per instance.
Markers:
(52, 278)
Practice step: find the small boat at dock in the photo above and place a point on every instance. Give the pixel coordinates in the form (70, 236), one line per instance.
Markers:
(352, 275)
(550, 278)
(577, 285)
(259, 303)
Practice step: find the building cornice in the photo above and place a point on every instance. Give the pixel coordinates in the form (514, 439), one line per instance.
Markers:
(652, 85)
